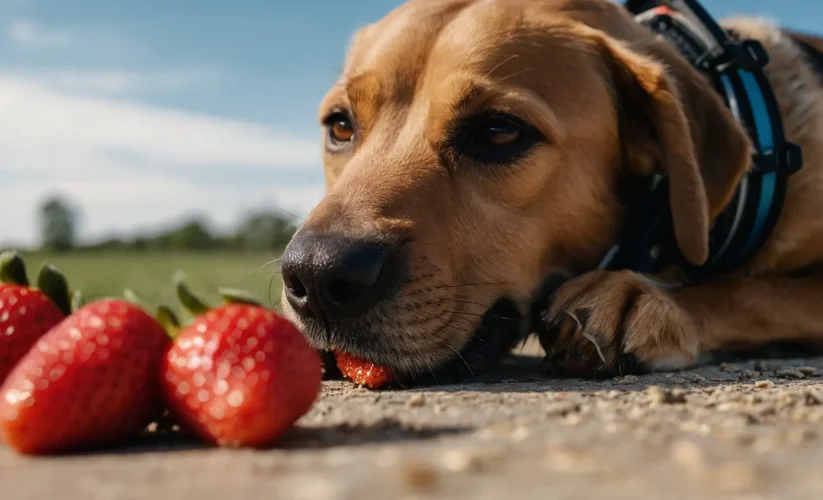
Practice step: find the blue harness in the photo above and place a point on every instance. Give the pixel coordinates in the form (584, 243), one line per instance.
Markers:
(736, 69)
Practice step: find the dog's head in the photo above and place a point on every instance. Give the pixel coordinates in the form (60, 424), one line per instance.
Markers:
(474, 148)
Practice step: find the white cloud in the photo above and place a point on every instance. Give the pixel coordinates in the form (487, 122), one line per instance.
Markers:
(25, 32)
(131, 165)
(118, 82)
(35, 119)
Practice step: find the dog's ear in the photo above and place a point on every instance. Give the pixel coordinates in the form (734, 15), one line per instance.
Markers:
(673, 122)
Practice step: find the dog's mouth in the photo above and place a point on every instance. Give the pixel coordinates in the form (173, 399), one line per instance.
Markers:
(498, 331)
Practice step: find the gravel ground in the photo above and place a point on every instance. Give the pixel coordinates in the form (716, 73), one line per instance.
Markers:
(747, 430)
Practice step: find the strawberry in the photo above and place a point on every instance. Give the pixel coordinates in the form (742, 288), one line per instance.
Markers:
(364, 372)
(90, 381)
(26, 313)
(239, 374)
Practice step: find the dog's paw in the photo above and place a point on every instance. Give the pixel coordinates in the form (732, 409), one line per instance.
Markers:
(616, 322)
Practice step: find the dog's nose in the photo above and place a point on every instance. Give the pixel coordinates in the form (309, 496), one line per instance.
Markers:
(336, 277)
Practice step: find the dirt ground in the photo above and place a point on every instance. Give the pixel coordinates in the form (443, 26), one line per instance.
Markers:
(749, 430)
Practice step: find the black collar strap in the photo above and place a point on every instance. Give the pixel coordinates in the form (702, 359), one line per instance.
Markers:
(736, 69)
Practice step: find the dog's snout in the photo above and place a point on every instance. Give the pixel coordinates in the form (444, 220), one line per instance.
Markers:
(335, 277)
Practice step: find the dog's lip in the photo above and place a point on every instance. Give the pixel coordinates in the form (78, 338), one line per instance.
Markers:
(492, 336)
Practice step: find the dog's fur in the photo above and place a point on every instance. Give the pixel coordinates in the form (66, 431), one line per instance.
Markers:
(612, 104)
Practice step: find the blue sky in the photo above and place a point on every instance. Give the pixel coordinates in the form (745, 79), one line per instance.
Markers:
(146, 110)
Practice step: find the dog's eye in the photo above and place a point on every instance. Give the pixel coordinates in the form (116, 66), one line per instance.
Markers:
(340, 129)
(494, 138)
(501, 133)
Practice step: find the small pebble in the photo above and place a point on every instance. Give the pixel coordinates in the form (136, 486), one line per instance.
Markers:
(416, 400)
(808, 371)
(762, 366)
(764, 384)
(462, 461)
(568, 459)
(813, 398)
(419, 476)
(791, 374)
(662, 395)
(562, 409)
(628, 379)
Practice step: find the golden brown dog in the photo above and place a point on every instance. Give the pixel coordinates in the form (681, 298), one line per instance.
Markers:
(473, 149)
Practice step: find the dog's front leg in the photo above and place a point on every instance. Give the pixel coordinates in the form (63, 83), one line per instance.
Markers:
(620, 322)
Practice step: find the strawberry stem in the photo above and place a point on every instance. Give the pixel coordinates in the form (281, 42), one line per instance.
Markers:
(78, 300)
(132, 297)
(169, 321)
(190, 301)
(237, 296)
(13, 269)
(53, 284)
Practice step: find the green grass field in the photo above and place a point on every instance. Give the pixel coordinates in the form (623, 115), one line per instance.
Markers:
(150, 274)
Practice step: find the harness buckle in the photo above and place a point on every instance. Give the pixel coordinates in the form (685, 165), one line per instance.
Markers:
(748, 55)
(786, 160)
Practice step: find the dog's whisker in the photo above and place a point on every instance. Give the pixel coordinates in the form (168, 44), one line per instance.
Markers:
(499, 65)
(295, 217)
(514, 74)
(483, 315)
(461, 358)
(267, 264)
(460, 285)
(431, 370)
(464, 301)
(271, 283)
(470, 332)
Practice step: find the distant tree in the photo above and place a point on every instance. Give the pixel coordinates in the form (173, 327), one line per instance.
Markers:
(139, 243)
(108, 245)
(58, 224)
(262, 231)
(192, 235)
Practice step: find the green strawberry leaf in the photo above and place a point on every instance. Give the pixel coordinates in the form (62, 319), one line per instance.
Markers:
(132, 297)
(53, 284)
(13, 269)
(169, 321)
(190, 301)
(237, 296)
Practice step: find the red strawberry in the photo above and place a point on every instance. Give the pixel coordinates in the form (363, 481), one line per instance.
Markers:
(26, 313)
(240, 375)
(364, 372)
(90, 381)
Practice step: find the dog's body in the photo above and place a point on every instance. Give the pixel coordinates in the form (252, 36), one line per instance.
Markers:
(476, 148)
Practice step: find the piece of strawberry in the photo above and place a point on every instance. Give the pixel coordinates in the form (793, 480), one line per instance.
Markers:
(239, 375)
(26, 312)
(90, 381)
(364, 372)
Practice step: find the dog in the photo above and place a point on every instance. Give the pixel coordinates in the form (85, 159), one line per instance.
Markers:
(476, 150)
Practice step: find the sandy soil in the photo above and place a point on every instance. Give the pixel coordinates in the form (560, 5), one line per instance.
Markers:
(749, 430)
